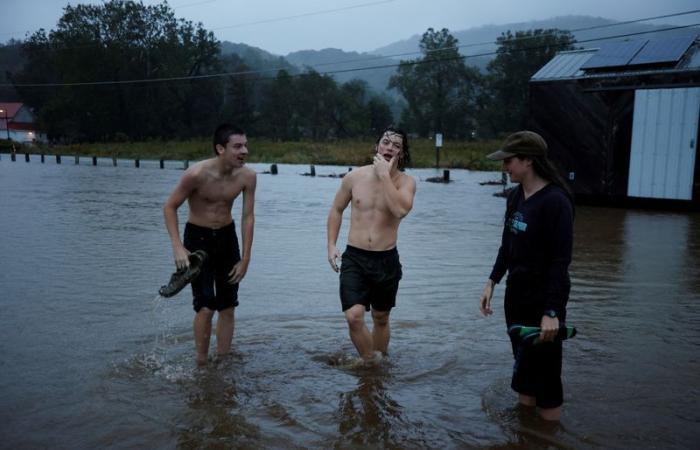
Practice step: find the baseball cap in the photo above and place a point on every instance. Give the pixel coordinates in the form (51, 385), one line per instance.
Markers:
(520, 143)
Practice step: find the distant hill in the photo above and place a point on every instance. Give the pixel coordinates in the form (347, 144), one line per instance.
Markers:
(257, 58)
(482, 40)
(342, 65)
(335, 62)
(478, 44)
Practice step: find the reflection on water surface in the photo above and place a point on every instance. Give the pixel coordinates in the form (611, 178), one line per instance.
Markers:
(91, 359)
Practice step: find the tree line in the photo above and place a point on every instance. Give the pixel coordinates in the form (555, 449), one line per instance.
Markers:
(122, 70)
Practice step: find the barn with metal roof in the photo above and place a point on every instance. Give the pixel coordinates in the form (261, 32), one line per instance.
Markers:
(622, 120)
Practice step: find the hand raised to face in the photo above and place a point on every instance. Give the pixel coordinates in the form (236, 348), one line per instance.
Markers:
(382, 167)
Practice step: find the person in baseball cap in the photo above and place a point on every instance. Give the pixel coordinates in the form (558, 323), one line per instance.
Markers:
(535, 252)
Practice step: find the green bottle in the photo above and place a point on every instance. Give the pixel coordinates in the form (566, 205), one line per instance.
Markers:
(530, 335)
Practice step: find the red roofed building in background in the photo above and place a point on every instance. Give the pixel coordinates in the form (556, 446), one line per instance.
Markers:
(17, 123)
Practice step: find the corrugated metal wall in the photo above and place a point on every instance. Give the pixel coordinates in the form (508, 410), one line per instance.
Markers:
(664, 133)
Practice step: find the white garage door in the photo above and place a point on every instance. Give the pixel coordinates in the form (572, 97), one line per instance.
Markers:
(664, 131)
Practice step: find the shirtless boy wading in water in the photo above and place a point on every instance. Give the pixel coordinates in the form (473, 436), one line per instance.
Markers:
(381, 196)
(210, 187)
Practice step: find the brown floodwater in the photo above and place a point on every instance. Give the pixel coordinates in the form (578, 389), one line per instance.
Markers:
(92, 358)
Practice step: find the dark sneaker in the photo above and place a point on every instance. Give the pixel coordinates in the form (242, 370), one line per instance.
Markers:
(184, 276)
(530, 335)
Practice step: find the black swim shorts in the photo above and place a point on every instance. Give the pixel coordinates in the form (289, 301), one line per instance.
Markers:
(211, 288)
(537, 368)
(369, 278)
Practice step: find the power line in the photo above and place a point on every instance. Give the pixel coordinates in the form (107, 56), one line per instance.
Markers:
(173, 7)
(616, 24)
(243, 24)
(357, 69)
(495, 53)
(514, 39)
(463, 46)
(187, 5)
(524, 38)
(297, 16)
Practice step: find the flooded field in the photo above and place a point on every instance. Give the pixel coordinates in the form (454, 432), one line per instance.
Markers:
(92, 358)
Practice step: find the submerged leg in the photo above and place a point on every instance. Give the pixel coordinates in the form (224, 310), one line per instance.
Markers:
(202, 334)
(381, 331)
(553, 414)
(224, 331)
(526, 400)
(359, 334)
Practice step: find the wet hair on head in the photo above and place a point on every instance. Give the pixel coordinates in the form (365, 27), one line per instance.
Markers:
(544, 167)
(222, 134)
(405, 159)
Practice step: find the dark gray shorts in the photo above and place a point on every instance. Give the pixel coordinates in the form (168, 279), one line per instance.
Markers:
(211, 288)
(369, 278)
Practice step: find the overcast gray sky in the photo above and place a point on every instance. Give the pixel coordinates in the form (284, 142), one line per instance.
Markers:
(281, 26)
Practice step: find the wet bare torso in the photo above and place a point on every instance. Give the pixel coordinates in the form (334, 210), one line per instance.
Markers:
(211, 202)
(372, 225)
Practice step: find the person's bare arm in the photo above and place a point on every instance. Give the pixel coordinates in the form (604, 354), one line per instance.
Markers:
(335, 219)
(185, 187)
(247, 226)
(485, 299)
(399, 200)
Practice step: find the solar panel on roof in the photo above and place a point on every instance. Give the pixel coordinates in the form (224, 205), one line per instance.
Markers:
(663, 51)
(614, 54)
(563, 65)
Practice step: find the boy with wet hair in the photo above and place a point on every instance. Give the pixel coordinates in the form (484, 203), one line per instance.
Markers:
(381, 196)
(210, 188)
